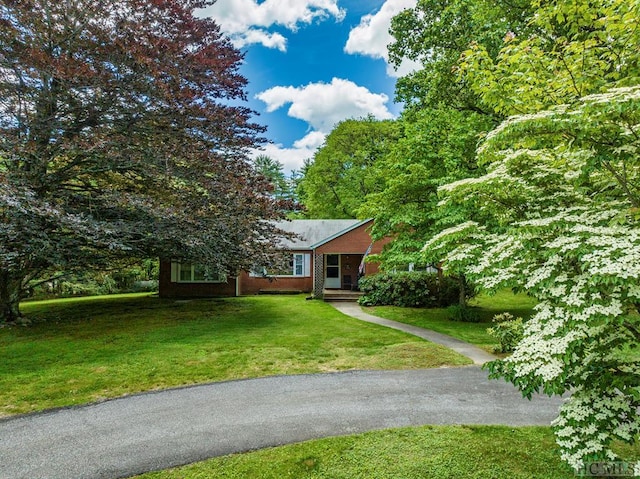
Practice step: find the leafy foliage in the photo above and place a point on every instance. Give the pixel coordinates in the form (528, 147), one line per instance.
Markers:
(443, 121)
(283, 188)
(345, 169)
(408, 289)
(579, 47)
(556, 214)
(438, 147)
(123, 277)
(437, 32)
(508, 330)
(118, 139)
(558, 219)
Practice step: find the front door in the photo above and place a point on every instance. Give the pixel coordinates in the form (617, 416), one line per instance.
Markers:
(332, 272)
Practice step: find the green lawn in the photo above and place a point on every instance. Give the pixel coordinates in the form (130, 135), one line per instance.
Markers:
(85, 349)
(437, 319)
(431, 452)
(88, 349)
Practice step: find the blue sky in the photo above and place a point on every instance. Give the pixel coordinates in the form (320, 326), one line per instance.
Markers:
(311, 64)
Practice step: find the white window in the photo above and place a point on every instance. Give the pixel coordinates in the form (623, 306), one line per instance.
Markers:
(299, 265)
(429, 268)
(195, 273)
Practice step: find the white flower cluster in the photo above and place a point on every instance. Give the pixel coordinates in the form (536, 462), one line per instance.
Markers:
(500, 172)
(447, 233)
(614, 95)
(555, 222)
(590, 419)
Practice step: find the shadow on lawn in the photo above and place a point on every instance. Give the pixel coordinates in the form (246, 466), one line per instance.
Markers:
(140, 315)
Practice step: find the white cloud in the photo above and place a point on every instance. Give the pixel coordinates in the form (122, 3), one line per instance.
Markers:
(322, 105)
(269, 40)
(311, 141)
(372, 36)
(247, 21)
(290, 158)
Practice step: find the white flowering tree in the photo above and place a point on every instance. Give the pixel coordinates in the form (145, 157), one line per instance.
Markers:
(547, 222)
(557, 216)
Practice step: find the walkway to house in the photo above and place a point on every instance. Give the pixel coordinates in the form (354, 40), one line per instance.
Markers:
(477, 355)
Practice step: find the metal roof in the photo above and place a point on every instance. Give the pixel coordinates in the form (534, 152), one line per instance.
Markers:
(315, 233)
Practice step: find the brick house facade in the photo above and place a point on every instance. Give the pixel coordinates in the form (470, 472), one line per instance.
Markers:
(328, 256)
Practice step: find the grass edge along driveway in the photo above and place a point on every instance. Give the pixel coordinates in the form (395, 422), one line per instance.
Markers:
(426, 452)
(91, 349)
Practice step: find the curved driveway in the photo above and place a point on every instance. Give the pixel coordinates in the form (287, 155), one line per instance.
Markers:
(135, 434)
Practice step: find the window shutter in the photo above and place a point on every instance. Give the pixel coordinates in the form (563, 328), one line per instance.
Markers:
(307, 265)
(174, 272)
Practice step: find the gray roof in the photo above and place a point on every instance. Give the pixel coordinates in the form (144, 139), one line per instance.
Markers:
(314, 233)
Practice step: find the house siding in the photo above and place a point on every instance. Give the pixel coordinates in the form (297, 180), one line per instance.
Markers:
(355, 242)
(256, 284)
(169, 289)
(351, 245)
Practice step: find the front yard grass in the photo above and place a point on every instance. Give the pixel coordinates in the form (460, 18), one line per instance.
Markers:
(85, 350)
(437, 319)
(428, 452)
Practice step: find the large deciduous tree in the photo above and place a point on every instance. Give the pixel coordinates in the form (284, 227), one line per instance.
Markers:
(443, 121)
(557, 214)
(435, 33)
(438, 147)
(121, 136)
(345, 169)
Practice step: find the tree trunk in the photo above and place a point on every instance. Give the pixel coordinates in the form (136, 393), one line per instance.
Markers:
(462, 298)
(10, 295)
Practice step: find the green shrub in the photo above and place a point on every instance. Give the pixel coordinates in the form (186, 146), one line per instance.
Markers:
(465, 314)
(508, 331)
(147, 286)
(417, 289)
(125, 279)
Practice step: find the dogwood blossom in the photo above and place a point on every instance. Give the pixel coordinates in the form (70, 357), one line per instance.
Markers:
(547, 221)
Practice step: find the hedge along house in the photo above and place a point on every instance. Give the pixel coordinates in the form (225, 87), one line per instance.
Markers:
(327, 257)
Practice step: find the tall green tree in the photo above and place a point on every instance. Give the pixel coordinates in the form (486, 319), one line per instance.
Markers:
(438, 147)
(436, 33)
(345, 169)
(556, 215)
(444, 120)
(117, 139)
(273, 171)
(579, 47)
(283, 187)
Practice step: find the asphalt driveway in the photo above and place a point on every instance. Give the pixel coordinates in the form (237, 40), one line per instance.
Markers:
(151, 431)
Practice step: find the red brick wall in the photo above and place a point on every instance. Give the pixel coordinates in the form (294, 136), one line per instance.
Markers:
(167, 289)
(355, 242)
(254, 285)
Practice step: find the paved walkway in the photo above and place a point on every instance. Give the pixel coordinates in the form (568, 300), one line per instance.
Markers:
(135, 434)
(477, 355)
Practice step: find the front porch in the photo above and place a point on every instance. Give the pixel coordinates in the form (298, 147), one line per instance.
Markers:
(341, 271)
(338, 276)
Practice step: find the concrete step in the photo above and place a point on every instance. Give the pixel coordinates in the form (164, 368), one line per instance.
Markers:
(341, 295)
